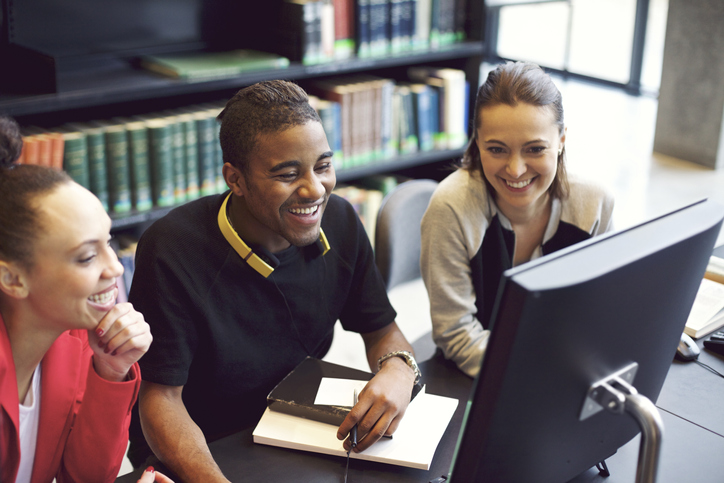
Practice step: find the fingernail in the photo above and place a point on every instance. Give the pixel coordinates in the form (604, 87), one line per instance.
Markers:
(106, 350)
(99, 332)
(150, 469)
(114, 353)
(101, 344)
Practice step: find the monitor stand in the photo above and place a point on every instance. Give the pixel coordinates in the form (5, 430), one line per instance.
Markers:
(616, 394)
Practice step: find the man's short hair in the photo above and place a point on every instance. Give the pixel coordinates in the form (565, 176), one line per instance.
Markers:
(263, 108)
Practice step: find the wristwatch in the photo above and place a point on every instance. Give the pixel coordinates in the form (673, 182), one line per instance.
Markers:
(407, 357)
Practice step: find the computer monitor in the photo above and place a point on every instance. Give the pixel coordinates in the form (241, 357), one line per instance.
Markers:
(567, 320)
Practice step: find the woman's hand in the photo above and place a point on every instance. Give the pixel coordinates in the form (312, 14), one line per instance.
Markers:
(119, 340)
(150, 476)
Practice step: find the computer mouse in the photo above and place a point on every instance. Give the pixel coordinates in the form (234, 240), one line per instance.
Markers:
(687, 349)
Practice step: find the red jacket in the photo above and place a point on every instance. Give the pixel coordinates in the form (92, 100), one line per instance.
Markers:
(83, 427)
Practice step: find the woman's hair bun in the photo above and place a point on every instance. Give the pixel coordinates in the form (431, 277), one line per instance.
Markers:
(11, 141)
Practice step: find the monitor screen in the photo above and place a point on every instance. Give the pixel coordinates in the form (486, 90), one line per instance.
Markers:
(568, 320)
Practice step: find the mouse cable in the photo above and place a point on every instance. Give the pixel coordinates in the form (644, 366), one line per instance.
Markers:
(346, 470)
(709, 368)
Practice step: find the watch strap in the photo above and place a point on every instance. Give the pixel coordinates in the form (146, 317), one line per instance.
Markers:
(407, 357)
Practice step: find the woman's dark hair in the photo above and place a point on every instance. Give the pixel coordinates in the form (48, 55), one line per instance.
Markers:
(20, 185)
(266, 107)
(510, 84)
(11, 142)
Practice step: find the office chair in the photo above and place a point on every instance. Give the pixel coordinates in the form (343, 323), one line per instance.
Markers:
(397, 247)
(397, 236)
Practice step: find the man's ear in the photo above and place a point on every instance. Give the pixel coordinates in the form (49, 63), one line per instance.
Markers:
(234, 179)
(12, 280)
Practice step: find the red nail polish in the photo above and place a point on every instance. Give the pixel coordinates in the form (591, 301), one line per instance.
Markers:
(114, 353)
(150, 469)
(99, 332)
(101, 344)
(106, 350)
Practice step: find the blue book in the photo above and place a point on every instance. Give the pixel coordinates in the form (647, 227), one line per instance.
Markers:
(422, 99)
(407, 24)
(396, 34)
(434, 113)
(329, 113)
(362, 30)
(379, 21)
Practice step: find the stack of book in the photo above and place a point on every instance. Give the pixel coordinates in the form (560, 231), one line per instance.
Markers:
(707, 313)
(317, 31)
(202, 66)
(368, 118)
(42, 147)
(125, 247)
(166, 158)
(136, 163)
(305, 409)
(366, 203)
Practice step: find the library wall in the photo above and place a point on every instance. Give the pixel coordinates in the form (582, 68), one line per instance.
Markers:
(132, 117)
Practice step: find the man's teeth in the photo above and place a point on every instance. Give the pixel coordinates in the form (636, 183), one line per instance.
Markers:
(103, 298)
(519, 184)
(304, 211)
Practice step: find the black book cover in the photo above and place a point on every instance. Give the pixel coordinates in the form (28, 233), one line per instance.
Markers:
(296, 393)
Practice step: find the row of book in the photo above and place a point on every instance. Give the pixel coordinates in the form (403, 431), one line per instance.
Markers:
(366, 201)
(167, 158)
(318, 31)
(160, 159)
(368, 118)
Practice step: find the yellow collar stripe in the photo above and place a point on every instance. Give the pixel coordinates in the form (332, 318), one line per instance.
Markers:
(238, 244)
(243, 249)
(323, 241)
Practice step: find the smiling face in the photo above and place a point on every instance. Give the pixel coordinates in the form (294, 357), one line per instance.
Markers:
(72, 280)
(519, 148)
(284, 188)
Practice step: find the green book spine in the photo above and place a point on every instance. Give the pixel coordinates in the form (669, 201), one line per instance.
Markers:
(161, 162)
(207, 152)
(75, 157)
(119, 186)
(137, 138)
(97, 164)
(178, 153)
(191, 147)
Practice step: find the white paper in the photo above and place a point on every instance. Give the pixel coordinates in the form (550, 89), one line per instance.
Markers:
(338, 392)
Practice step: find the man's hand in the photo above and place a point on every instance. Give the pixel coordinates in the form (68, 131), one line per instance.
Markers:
(384, 400)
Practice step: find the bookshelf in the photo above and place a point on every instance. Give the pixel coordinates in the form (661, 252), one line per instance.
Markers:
(112, 85)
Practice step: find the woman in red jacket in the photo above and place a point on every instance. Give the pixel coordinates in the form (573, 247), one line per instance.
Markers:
(68, 352)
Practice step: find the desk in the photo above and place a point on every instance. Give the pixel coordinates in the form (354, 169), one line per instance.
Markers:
(690, 404)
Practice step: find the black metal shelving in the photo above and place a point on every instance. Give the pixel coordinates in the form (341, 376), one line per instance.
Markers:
(119, 81)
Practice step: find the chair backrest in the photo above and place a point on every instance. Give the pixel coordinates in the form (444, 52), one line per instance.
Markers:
(397, 235)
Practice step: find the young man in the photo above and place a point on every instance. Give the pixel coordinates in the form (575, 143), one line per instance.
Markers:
(241, 287)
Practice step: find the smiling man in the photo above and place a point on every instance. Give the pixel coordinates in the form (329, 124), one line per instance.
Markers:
(241, 287)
